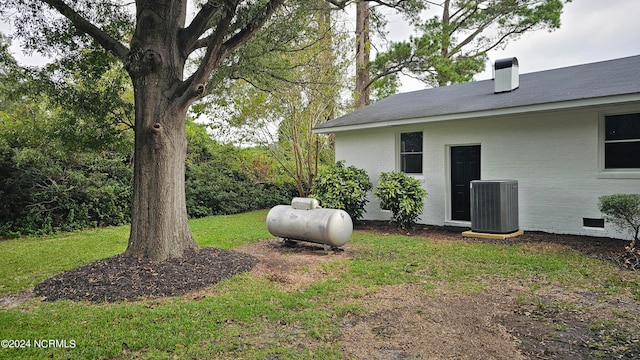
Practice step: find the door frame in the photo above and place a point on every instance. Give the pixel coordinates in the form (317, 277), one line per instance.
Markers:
(448, 203)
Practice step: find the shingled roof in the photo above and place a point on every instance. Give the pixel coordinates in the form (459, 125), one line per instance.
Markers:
(611, 81)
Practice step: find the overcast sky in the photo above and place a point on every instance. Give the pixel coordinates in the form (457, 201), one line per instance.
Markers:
(591, 31)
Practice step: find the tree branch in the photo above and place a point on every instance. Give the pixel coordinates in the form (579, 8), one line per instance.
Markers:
(510, 33)
(341, 4)
(85, 26)
(252, 27)
(388, 71)
(218, 48)
(199, 25)
(194, 85)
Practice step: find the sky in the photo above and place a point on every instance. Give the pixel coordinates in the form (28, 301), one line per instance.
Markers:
(591, 31)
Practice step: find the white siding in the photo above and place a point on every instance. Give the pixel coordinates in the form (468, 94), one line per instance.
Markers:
(554, 156)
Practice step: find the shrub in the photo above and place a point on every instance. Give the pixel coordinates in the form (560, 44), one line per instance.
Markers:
(401, 194)
(623, 211)
(45, 193)
(214, 190)
(344, 188)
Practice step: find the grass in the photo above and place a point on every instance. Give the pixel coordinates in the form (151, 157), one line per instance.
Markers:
(27, 261)
(251, 318)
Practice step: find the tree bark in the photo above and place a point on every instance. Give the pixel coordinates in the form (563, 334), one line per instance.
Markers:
(159, 228)
(363, 49)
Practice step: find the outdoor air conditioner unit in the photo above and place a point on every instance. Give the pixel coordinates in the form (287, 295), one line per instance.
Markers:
(494, 206)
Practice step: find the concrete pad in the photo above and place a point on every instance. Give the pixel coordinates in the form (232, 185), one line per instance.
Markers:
(492, 236)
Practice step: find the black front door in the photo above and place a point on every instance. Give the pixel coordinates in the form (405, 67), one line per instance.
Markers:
(465, 166)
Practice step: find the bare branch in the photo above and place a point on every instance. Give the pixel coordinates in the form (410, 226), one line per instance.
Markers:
(510, 33)
(341, 4)
(199, 25)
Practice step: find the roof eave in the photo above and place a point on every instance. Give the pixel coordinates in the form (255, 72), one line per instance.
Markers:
(560, 105)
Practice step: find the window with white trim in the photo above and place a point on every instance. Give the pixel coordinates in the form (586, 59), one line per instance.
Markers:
(622, 141)
(411, 152)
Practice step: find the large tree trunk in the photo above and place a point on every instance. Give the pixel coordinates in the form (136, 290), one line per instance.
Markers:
(363, 49)
(159, 228)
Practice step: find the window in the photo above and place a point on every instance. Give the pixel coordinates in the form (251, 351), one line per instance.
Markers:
(622, 141)
(411, 152)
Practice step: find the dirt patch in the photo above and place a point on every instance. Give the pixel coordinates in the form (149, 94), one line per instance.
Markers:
(11, 301)
(506, 321)
(560, 324)
(406, 324)
(292, 265)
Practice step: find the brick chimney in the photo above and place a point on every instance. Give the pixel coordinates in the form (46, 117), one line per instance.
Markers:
(506, 77)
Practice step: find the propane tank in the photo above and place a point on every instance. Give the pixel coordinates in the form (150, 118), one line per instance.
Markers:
(307, 222)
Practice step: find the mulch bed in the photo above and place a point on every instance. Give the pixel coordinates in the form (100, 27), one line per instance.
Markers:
(603, 248)
(127, 278)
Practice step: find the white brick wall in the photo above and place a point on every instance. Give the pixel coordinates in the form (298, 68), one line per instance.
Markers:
(553, 155)
(371, 150)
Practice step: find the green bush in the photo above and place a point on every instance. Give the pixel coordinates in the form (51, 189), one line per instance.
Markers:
(401, 194)
(212, 189)
(345, 188)
(49, 185)
(623, 211)
(46, 193)
(219, 183)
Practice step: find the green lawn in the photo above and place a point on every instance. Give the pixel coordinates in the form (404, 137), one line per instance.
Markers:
(230, 319)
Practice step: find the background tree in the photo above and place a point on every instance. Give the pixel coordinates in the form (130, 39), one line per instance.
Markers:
(311, 98)
(452, 47)
(280, 95)
(363, 53)
(156, 58)
(366, 16)
(60, 167)
(223, 179)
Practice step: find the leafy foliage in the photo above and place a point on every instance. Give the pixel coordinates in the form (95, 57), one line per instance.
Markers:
(287, 80)
(452, 47)
(401, 194)
(342, 187)
(217, 181)
(62, 167)
(45, 191)
(65, 156)
(623, 211)
(44, 188)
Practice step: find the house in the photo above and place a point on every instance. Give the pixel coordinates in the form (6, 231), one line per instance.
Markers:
(567, 135)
